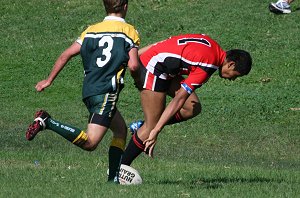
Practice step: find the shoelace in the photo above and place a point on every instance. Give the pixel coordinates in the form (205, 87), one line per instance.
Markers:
(282, 5)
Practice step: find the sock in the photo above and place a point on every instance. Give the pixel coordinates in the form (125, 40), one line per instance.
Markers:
(175, 119)
(72, 134)
(115, 153)
(134, 149)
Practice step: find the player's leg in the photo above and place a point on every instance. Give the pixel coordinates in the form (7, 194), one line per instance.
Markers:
(98, 123)
(153, 101)
(117, 146)
(85, 140)
(153, 104)
(102, 109)
(191, 107)
(109, 117)
(44, 121)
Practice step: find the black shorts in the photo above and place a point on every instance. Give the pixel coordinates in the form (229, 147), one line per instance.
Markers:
(152, 82)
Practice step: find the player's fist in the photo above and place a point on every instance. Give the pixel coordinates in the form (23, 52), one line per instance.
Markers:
(40, 86)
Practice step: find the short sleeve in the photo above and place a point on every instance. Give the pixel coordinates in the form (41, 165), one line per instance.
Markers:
(195, 79)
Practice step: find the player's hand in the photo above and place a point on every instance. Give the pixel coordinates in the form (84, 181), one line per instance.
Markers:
(150, 143)
(40, 86)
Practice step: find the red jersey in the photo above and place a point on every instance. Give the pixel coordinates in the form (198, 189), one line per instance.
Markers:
(196, 55)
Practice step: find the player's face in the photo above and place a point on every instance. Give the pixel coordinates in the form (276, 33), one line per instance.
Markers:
(227, 71)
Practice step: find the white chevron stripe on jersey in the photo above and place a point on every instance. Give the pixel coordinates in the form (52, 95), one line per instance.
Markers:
(159, 58)
(162, 56)
(100, 35)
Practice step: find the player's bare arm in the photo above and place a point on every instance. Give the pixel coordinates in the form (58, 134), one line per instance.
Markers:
(133, 62)
(62, 60)
(173, 107)
(142, 50)
(133, 65)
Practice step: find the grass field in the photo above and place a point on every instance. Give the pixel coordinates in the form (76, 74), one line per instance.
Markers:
(245, 143)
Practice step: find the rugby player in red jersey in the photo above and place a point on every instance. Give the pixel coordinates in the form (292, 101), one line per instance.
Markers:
(163, 64)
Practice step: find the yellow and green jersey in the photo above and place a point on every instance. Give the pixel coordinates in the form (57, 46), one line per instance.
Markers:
(104, 51)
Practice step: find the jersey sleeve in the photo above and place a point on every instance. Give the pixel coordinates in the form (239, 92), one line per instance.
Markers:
(195, 79)
(135, 38)
(80, 39)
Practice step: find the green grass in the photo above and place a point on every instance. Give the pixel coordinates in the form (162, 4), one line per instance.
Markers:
(245, 143)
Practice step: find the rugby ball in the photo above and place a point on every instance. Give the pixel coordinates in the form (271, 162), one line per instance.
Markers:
(129, 176)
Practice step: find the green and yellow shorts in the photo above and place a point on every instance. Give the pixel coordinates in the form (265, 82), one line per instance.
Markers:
(102, 108)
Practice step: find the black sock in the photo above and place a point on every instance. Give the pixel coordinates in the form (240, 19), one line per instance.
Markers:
(115, 155)
(134, 149)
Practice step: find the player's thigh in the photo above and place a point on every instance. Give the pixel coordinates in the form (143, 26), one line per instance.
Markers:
(118, 126)
(153, 97)
(102, 108)
(153, 104)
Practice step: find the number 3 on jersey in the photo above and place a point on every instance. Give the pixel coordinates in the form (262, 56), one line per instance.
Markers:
(106, 52)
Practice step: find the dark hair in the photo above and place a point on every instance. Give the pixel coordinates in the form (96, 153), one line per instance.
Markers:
(242, 59)
(114, 6)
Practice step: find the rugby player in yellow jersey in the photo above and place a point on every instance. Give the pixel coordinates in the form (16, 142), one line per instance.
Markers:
(106, 48)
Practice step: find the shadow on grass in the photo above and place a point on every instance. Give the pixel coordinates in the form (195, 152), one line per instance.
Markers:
(214, 183)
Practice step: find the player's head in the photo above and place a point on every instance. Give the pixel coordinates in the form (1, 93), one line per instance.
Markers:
(237, 63)
(115, 6)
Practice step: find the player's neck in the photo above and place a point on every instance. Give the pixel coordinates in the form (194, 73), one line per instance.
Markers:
(121, 15)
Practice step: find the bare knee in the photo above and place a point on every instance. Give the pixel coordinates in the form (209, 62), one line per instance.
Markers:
(191, 111)
(89, 146)
(197, 109)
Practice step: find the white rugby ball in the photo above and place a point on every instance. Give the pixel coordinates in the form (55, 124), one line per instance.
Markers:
(129, 176)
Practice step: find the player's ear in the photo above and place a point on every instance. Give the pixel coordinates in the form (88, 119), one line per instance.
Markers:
(231, 64)
(125, 7)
